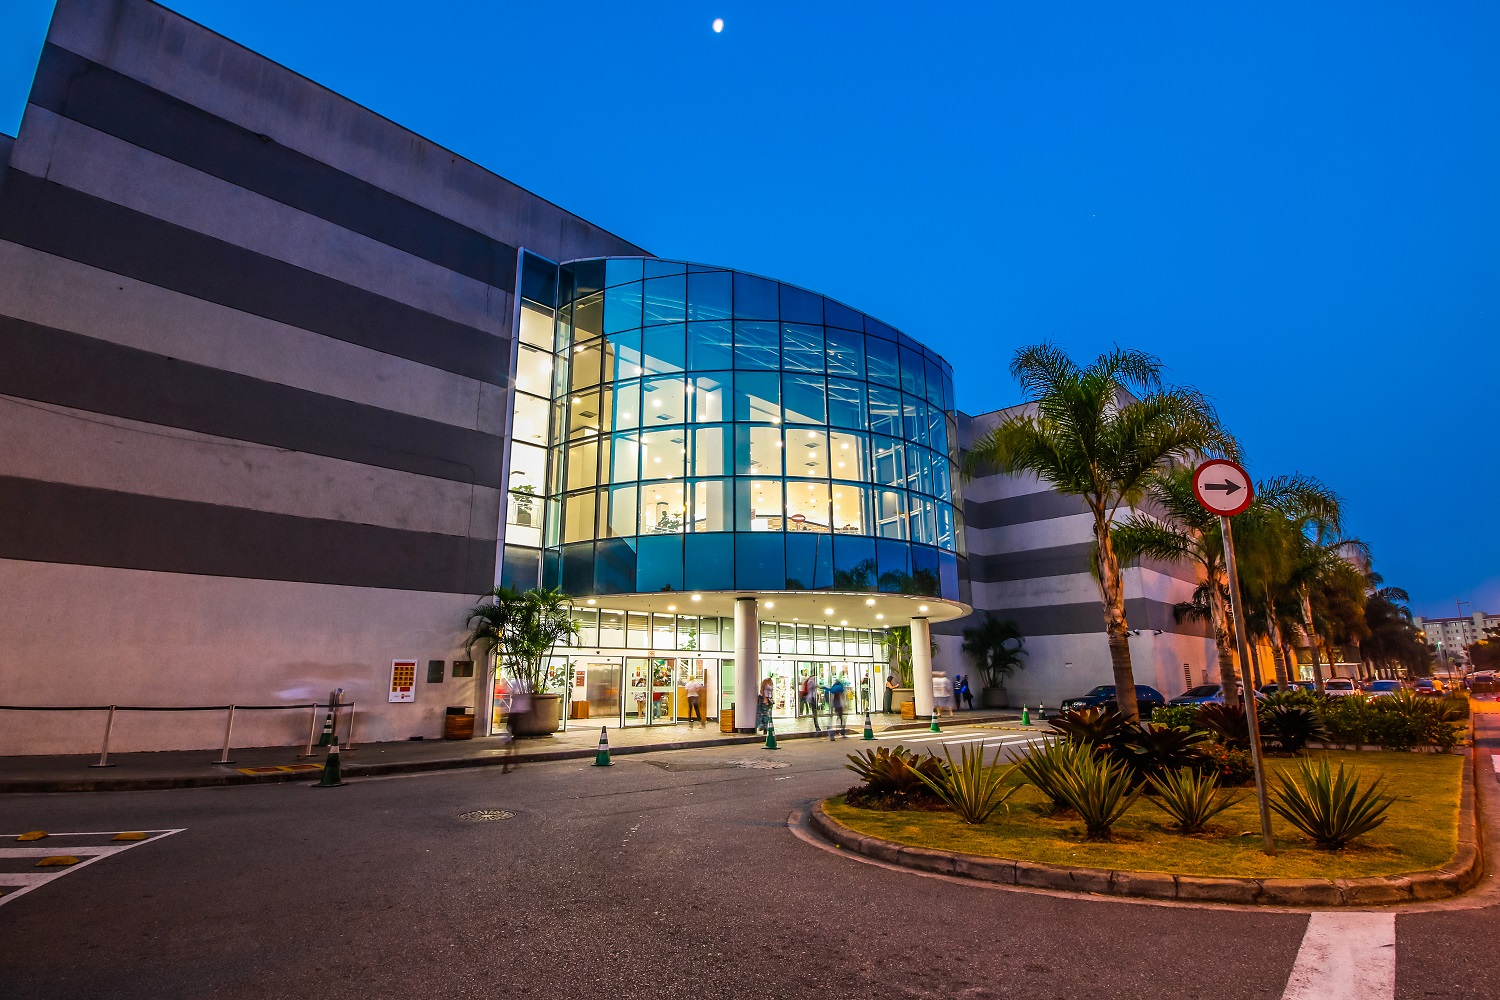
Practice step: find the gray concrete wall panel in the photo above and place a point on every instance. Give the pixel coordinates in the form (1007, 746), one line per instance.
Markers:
(1076, 619)
(60, 523)
(54, 366)
(64, 445)
(1021, 509)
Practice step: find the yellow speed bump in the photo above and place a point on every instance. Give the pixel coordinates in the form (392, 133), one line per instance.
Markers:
(129, 836)
(57, 861)
(33, 835)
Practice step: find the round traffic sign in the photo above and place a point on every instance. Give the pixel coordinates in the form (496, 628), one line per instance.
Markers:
(1222, 487)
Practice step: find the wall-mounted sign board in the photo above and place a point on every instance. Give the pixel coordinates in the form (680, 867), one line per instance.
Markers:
(403, 680)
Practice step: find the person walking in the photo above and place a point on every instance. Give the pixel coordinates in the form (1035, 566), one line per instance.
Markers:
(810, 698)
(890, 693)
(838, 704)
(763, 705)
(695, 701)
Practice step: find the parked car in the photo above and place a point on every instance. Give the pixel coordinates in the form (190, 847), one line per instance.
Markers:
(1266, 690)
(1383, 688)
(1203, 694)
(1483, 681)
(1146, 699)
(1429, 687)
(1341, 687)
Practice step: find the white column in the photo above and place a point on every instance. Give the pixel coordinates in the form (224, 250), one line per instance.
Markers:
(921, 666)
(746, 662)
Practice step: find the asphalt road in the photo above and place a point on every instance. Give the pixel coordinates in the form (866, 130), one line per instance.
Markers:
(668, 875)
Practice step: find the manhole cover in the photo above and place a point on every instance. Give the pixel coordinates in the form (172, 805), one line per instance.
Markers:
(486, 815)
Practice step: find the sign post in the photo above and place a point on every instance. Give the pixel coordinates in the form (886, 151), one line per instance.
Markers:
(1223, 488)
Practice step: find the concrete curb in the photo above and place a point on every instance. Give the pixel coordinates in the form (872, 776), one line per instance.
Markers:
(1454, 878)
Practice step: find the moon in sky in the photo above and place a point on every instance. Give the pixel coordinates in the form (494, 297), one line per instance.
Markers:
(718, 25)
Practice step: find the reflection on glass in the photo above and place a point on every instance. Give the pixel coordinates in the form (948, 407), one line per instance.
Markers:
(805, 399)
(622, 308)
(708, 395)
(664, 401)
(846, 353)
(890, 468)
(710, 346)
(757, 397)
(846, 404)
(666, 299)
(757, 345)
(890, 513)
(664, 349)
(802, 348)
(709, 295)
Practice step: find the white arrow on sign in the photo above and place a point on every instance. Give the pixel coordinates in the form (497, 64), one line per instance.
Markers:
(1222, 487)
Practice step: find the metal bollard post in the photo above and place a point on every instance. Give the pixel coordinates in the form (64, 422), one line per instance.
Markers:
(312, 733)
(109, 726)
(349, 736)
(228, 729)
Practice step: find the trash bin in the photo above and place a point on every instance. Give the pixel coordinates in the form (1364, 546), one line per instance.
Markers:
(458, 723)
(726, 719)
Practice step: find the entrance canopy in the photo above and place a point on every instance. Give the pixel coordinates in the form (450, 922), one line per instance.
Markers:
(808, 607)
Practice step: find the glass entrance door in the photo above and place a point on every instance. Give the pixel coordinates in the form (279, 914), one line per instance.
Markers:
(650, 691)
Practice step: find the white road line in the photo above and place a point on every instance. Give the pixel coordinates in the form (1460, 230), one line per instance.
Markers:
(907, 737)
(1345, 956)
(32, 880)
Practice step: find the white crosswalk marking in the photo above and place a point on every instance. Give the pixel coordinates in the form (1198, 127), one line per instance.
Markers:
(14, 885)
(1345, 956)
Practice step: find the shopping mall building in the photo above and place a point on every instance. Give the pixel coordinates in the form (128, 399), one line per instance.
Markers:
(287, 388)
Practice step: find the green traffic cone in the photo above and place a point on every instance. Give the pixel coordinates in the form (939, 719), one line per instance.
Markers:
(1025, 716)
(869, 729)
(327, 740)
(333, 773)
(934, 727)
(601, 759)
(771, 736)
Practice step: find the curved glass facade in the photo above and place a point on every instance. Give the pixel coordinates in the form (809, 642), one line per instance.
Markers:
(715, 430)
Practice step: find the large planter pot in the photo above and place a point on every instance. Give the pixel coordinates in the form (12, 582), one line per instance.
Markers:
(901, 696)
(542, 718)
(994, 698)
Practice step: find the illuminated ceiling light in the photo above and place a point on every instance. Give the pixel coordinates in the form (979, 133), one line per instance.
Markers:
(870, 601)
(592, 601)
(697, 597)
(638, 370)
(577, 400)
(828, 611)
(656, 402)
(624, 416)
(796, 619)
(671, 607)
(770, 604)
(880, 618)
(812, 434)
(922, 607)
(843, 621)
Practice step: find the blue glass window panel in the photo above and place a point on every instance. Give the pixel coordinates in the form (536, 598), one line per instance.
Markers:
(854, 566)
(809, 561)
(852, 514)
(880, 359)
(890, 513)
(614, 566)
(800, 306)
(663, 401)
(709, 398)
(754, 298)
(842, 316)
(666, 299)
(664, 349)
(710, 562)
(757, 451)
(952, 449)
(710, 295)
(923, 520)
(937, 430)
(913, 379)
(626, 406)
(945, 526)
(802, 348)
(619, 270)
(757, 397)
(588, 317)
(551, 568)
(759, 562)
(623, 358)
(965, 586)
(948, 587)
(623, 512)
(712, 451)
(913, 419)
(804, 398)
(658, 563)
(757, 345)
(849, 456)
(660, 268)
(890, 464)
(625, 459)
(924, 571)
(941, 478)
(710, 346)
(846, 404)
(521, 568)
(875, 328)
(588, 276)
(846, 353)
(663, 453)
(948, 405)
(622, 309)
(934, 383)
(895, 566)
(539, 280)
(578, 568)
(885, 411)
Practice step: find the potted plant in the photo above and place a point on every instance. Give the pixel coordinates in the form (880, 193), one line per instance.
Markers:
(996, 644)
(519, 629)
(896, 642)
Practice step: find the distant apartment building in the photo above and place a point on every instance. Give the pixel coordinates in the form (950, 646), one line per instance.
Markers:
(1450, 636)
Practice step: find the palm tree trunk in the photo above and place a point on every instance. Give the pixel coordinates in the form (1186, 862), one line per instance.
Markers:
(1224, 642)
(1112, 594)
(1288, 657)
(1312, 641)
(1273, 633)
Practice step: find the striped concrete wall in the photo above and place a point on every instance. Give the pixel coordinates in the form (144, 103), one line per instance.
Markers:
(257, 346)
(1029, 561)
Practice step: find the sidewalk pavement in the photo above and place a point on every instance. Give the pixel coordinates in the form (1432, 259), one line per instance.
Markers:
(259, 765)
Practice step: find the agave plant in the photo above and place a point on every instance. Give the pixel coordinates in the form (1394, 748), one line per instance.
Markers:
(1099, 790)
(973, 790)
(1152, 750)
(1190, 798)
(1228, 724)
(892, 771)
(1329, 808)
(1291, 726)
(1044, 767)
(1094, 727)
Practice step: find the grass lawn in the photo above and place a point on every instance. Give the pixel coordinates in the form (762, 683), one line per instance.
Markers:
(1419, 833)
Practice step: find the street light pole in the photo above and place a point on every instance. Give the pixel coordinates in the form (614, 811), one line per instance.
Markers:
(1463, 651)
(1252, 710)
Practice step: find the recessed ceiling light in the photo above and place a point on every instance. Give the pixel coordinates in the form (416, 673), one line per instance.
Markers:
(922, 607)
(577, 400)
(671, 607)
(697, 597)
(770, 604)
(870, 601)
(880, 618)
(592, 601)
(844, 621)
(828, 611)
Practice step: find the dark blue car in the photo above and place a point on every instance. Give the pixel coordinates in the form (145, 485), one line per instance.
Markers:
(1146, 699)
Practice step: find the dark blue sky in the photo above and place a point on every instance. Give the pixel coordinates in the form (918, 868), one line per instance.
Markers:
(1298, 209)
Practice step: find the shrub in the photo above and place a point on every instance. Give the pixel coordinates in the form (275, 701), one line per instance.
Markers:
(1176, 716)
(892, 778)
(1347, 721)
(1292, 727)
(1153, 750)
(1227, 724)
(1329, 808)
(1403, 721)
(1295, 696)
(1230, 766)
(1092, 727)
(1190, 798)
(1100, 790)
(971, 789)
(1045, 767)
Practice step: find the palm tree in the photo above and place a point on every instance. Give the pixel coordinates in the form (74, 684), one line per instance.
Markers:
(519, 629)
(1102, 433)
(998, 647)
(1186, 533)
